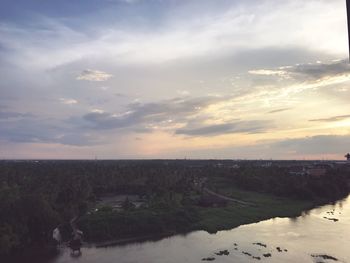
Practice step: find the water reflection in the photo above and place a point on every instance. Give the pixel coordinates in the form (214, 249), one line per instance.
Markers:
(308, 238)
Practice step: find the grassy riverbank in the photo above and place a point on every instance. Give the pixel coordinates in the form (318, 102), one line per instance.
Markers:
(112, 225)
(265, 207)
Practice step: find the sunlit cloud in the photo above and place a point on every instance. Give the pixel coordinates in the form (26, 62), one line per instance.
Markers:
(310, 72)
(150, 115)
(269, 72)
(279, 110)
(332, 119)
(244, 24)
(93, 75)
(227, 128)
(230, 78)
(68, 101)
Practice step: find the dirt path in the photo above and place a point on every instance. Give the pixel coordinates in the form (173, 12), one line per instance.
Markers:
(206, 190)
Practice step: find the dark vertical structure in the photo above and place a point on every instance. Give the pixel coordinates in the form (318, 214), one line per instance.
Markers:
(348, 14)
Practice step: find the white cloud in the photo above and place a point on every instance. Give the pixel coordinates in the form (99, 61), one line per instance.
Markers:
(97, 111)
(268, 72)
(183, 92)
(68, 101)
(104, 88)
(94, 75)
(316, 25)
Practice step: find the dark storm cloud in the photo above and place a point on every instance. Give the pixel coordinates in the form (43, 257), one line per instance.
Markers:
(332, 119)
(138, 114)
(255, 126)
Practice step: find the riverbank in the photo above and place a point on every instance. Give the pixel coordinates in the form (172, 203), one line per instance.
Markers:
(179, 197)
(265, 207)
(308, 238)
(211, 220)
(156, 224)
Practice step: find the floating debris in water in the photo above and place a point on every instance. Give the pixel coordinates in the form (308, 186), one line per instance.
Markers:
(267, 255)
(260, 244)
(279, 249)
(235, 244)
(223, 252)
(331, 219)
(208, 259)
(257, 258)
(324, 256)
(246, 253)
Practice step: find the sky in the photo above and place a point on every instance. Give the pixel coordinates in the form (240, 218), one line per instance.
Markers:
(130, 79)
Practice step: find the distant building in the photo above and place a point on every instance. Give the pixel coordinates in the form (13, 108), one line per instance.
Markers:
(297, 170)
(316, 172)
(198, 183)
(235, 166)
(266, 164)
(219, 165)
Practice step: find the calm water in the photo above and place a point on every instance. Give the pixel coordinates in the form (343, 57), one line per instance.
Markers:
(302, 237)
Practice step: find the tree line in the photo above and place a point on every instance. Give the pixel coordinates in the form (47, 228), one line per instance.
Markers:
(36, 197)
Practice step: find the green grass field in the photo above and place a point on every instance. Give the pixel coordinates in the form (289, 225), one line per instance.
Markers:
(265, 207)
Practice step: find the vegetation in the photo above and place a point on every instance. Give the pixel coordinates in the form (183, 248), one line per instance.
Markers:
(37, 196)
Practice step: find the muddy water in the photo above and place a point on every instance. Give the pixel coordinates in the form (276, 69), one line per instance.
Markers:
(301, 239)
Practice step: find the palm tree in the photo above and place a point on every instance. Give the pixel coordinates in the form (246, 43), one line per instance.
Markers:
(347, 156)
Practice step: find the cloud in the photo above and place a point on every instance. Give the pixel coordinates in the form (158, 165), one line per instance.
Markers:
(132, 34)
(104, 88)
(309, 71)
(138, 114)
(319, 70)
(318, 144)
(309, 147)
(127, 1)
(68, 101)
(183, 92)
(188, 49)
(269, 72)
(332, 119)
(11, 114)
(93, 75)
(279, 110)
(77, 139)
(33, 129)
(255, 126)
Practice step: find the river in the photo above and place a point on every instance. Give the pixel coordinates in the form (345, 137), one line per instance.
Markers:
(304, 238)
